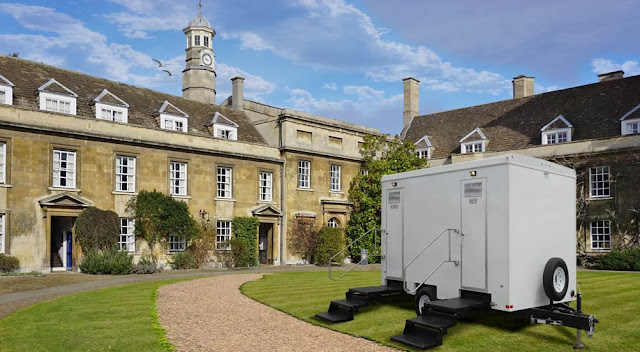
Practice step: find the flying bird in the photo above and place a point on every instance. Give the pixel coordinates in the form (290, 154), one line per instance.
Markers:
(158, 62)
(169, 73)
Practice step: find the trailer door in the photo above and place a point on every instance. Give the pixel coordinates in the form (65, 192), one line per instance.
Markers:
(474, 241)
(393, 235)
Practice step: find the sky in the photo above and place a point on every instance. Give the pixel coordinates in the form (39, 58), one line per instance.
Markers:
(338, 58)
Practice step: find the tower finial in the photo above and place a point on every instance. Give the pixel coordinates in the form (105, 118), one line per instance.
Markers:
(200, 6)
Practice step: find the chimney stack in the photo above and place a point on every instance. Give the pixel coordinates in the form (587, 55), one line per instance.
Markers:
(522, 86)
(411, 99)
(610, 76)
(237, 92)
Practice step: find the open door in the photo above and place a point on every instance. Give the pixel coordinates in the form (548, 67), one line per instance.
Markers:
(474, 230)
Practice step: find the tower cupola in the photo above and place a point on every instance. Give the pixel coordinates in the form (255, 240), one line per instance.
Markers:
(199, 75)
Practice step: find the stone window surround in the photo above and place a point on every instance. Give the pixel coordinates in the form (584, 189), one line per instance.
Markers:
(186, 177)
(603, 230)
(135, 173)
(260, 172)
(331, 177)
(229, 182)
(307, 168)
(129, 236)
(78, 178)
(606, 187)
(223, 234)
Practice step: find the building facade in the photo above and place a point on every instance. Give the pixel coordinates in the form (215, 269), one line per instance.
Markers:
(69, 141)
(594, 129)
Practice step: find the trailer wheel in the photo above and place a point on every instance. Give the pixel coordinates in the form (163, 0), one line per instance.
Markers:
(424, 295)
(555, 279)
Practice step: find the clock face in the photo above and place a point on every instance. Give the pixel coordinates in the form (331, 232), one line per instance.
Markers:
(207, 60)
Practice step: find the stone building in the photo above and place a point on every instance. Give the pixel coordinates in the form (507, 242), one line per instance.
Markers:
(592, 128)
(69, 141)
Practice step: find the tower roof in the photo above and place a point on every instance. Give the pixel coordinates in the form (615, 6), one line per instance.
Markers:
(199, 21)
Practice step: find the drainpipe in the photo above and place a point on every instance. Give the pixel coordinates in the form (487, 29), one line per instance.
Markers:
(283, 206)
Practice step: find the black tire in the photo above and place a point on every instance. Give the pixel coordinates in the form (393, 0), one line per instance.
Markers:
(552, 288)
(428, 293)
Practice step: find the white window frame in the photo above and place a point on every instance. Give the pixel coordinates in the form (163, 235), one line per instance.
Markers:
(170, 122)
(265, 186)
(70, 172)
(178, 182)
(127, 237)
(424, 153)
(594, 187)
(631, 126)
(177, 244)
(304, 174)
(47, 100)
(112, 113)
(333, 223)
(8, 95)
(225, 132)
(224, 182)
(553, 136)
(127, 171)
(336, 177)
(223, 235)
(600, 235)
(3, 230)
(472, 147)
(3, 162)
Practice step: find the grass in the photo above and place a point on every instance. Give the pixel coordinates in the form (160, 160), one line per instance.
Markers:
(120, 318)
(611, 297)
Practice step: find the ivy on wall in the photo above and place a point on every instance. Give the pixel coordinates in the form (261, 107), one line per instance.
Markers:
(97, 230)
(245, 241)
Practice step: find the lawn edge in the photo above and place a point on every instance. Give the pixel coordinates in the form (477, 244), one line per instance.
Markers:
(241, 288)
(161, 332)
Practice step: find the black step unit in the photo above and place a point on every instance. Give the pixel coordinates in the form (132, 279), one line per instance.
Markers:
(343, 310)
(418, 337)
(438, 323)
(461, 306)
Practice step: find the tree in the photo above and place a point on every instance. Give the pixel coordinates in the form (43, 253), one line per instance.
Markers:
(380, 157)
(97, 230)
(159, 216)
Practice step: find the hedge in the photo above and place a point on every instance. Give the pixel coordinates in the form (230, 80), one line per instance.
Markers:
(111, 262)
(625, 260)
(8, 264)
(97, 230)
(245, 229)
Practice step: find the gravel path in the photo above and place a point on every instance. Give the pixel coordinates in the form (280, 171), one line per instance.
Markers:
(213, 315)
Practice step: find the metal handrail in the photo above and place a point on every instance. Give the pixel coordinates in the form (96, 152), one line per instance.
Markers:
(404, 268)
(375, 238)
(427, 278)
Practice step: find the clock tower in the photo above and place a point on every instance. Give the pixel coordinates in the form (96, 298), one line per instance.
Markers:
(199, 75)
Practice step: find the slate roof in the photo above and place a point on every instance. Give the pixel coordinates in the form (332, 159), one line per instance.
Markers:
(594, 110)
(27, 76)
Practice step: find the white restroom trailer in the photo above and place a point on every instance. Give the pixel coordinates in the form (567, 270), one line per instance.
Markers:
(489, 226)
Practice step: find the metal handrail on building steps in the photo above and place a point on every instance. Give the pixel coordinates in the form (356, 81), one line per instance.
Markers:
(404, 268)
(375, 239)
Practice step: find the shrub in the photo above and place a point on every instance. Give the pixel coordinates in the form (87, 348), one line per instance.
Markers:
(245, 229)
(628, 260)
(111, 262)
(97, 229)
(8, 263)
(158, 216)
(204, 245)
(302, 238)
(145, 269)
(183, 260)
(329, 242)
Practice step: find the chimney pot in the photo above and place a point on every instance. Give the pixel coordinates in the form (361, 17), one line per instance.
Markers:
(237, 93)
(522, 86)
(411, 99)
(610, 76)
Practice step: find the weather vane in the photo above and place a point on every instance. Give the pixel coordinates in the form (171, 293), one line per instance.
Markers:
(200, 5)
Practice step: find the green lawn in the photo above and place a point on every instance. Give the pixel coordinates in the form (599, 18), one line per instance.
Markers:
(614, 298)
(113, 319)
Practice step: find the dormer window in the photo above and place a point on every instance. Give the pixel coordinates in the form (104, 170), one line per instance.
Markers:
(630, 122)
(172, 118)
(57, 98)
(423, 148)
(474, 142)
(111, 108)
(6, 91)
(224, 128)
(557, 131)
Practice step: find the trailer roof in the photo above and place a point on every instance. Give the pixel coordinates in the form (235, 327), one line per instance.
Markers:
(512, 159)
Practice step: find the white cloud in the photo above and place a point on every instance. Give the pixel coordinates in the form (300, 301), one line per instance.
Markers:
(330, 86)
(255, 87)
(630, 68)
(145, 16)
